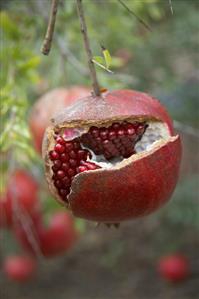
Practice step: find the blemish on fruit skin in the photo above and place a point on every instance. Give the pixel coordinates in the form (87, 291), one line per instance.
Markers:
(121, 188)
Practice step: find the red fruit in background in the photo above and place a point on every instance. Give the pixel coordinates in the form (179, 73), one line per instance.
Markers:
(27, 232)
(5, 215)
(174, 268)
(19, 268)
(20, 197)
(49, 104)
(59, 236)
(112, 158)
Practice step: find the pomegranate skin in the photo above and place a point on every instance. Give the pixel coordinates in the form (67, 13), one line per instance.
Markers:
(48, 105)
(133, 191)
(174, 268)
(140, 184)
(115, 105)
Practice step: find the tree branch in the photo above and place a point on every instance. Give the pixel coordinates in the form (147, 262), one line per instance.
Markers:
(93, 75)
(132, 12)
(50, 30)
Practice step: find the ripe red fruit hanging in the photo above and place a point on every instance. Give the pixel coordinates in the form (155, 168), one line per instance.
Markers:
(54, 240)
(113, 157)
(27, 231)
(59, 236)
(174, 268)
(19, 268)
(20, 195)
(49, 104)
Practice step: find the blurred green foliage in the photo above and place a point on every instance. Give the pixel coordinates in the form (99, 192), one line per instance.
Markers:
(19, 65)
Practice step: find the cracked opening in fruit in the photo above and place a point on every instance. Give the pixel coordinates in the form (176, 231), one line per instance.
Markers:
(76, 150)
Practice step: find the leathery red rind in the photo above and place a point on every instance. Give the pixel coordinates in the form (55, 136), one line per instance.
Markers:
(135, 190)
(137, 185)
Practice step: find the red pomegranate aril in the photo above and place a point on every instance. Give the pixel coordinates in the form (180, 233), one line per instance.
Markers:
(65, 167)
(60, 140)
(71, 172)
(73, 163)
(53, 155)
(64, 157)
(94, 131)
(130, 131)
(60, 174)
(111, 135)
(90, 165)
(103, 133)
(81, 169)
(59, 148)
(69, 146)
(82, 155)
(66, 181)
(106, 143)
(76, 145)
(57, 164)
(120, 132)
(115, 126)
(58, 184)
(72, 154)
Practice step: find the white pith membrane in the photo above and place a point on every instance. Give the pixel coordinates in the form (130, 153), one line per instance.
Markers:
(156, 133)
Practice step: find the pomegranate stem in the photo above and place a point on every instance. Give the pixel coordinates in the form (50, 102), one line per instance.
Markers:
(83, 26)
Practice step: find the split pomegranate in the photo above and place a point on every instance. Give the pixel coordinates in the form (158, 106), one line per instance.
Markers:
(174, 268)
(46, 106)
(113, 157)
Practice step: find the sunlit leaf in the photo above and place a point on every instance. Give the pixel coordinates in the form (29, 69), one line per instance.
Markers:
(107, 57)
(99, 59)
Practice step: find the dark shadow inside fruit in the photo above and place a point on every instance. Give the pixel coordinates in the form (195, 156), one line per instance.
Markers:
(76, 150)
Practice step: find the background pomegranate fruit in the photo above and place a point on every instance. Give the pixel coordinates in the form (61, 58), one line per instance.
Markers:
(113, 157)
(174, 268)
(53, 240)
(20, 195)
(49, 104)
(19, 268)
(59, 236)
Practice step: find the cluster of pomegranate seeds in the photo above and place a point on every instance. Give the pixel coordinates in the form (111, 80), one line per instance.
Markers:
(70, 158)
(118, 140)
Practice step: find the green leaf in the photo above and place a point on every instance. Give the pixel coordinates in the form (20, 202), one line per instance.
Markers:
(99, 59)
(8, 26)
(107, 57)
(32, 63)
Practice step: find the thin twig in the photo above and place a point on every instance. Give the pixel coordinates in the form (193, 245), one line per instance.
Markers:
(93, 74)
(50, 30)
(134, 14)
(67, 54)
(171, 7)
